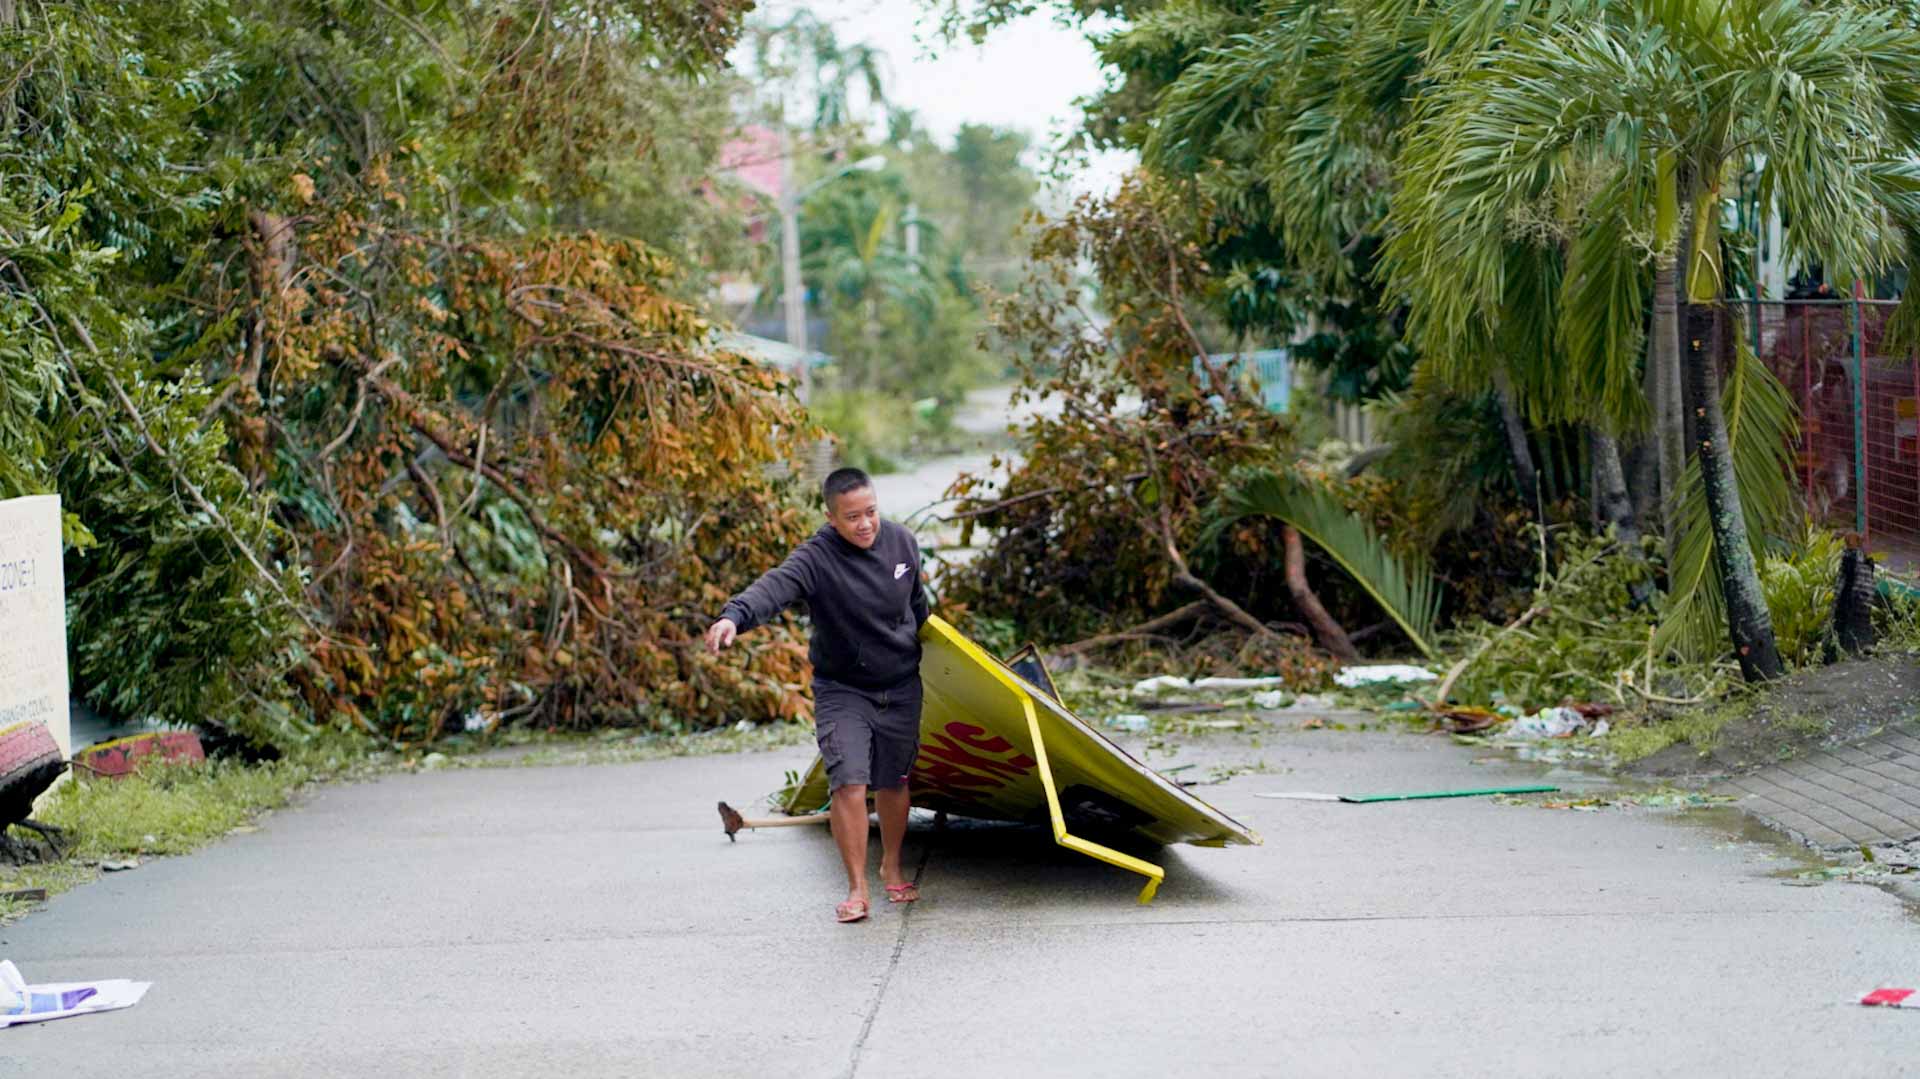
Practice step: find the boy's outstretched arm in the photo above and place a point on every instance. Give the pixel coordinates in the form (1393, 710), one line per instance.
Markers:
(776, 589)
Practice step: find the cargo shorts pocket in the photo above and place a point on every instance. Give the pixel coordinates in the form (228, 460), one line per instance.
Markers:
(823, 735)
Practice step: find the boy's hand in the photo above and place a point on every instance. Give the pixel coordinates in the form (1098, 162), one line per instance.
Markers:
(721, 634)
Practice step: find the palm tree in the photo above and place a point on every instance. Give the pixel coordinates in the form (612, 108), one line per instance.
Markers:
(1302, 119)
(1617, 124)
(852, 251)
(819, 79)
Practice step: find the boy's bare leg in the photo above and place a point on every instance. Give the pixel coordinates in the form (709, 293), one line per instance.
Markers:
(892, 806)
(848, 817)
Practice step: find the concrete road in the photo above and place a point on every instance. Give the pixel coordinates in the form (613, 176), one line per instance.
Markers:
(592, 921)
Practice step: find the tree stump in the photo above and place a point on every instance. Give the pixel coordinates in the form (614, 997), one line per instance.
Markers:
(1853, 595)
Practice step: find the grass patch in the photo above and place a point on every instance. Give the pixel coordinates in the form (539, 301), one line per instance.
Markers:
(169, 808)
(163, 808)
(54, 877)
(1697, 727)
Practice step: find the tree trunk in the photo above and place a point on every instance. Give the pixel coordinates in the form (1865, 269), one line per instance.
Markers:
(1642, 464)
(1613, 506)
(1853, 596)
(1663, 392)
(1610, 501)
(1332, 637)
(1748, 621)
(1525, 476)
(1678, 376)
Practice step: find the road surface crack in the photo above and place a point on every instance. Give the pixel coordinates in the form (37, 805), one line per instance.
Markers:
(893, 963)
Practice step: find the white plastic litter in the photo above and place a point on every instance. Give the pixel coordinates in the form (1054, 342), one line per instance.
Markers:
(1378, 673)
(23, 1003)
(1599, 729)
(1128, 721)
(1546, 723)
(1277, 698)
(1153, 687)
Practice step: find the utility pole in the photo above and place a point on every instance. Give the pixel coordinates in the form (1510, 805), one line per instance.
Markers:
(795, 295)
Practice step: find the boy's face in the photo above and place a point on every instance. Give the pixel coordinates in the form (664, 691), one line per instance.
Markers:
(856, 516)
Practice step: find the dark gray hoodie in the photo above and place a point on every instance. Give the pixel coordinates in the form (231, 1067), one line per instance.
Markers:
(867, 605)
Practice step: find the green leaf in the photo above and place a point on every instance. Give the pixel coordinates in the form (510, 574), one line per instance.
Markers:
(1405, 588)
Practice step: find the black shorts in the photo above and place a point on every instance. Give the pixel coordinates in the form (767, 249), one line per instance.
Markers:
(867, 737)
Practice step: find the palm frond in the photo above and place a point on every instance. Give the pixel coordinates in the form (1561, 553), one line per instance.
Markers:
(1404, 587)
(1601, 310)
(1762, 422)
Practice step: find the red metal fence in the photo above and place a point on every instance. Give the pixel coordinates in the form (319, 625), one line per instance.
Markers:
(1858, 458)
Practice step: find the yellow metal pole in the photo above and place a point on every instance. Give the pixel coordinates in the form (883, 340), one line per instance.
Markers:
(1153, 873)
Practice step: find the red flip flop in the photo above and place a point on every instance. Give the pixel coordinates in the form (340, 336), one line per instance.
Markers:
(903, 893)
(853, 910)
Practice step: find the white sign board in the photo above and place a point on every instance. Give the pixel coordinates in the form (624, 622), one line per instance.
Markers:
(33, 617)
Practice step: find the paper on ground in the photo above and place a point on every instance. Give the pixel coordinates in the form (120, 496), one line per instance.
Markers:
(23, 1003)
(1892, 998)
(1354, 677)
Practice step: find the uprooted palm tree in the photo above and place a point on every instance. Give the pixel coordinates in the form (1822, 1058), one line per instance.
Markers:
(1621, 122)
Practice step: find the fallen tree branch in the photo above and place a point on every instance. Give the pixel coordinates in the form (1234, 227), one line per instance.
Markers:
(1460, 668)
(1660, 699)
(1044, 492)
(422, 422)
(1182, 573)
(359, 406)
(1175, 617)
(132, 410)
(1331, 635)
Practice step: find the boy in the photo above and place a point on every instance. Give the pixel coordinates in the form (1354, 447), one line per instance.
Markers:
(860, 577)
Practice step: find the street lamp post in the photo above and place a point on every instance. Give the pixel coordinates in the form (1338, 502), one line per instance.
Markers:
(794, 289)
(795, 296)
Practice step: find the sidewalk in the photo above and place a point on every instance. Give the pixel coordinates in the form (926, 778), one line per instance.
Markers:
(1862, 795)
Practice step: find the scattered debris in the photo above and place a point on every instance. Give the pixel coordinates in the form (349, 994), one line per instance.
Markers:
(122, 757)
(1128, 721)
(1546, 723)
(1182, 706)
(1363, 799)
(1664, 798)
(1381, 674)
(115, 865)
(1891, 998)
(1273, 699)
(1151, 687)
(732, 820)
(1859, 873)
(23, 1003)
(1461, 720)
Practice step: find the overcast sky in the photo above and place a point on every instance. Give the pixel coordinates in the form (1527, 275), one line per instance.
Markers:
(1026, 76)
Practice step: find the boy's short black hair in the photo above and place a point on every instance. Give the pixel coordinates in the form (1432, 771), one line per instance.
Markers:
(840, 481)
